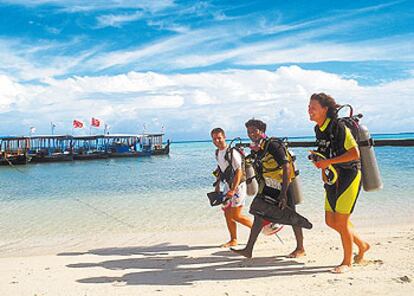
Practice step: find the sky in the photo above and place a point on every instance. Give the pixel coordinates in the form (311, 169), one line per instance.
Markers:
(185, 67)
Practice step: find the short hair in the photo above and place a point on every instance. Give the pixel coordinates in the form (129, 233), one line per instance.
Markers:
(217, 130)
(260, 125)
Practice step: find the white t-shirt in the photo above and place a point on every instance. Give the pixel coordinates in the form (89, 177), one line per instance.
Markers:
(240, 194)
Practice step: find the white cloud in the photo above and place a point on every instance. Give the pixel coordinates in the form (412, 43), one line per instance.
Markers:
(26, 61)
(9, 93)
(215, 45)
(191, 104)
(90, 5)
(391, 49)
(230, 43)
(112, 20)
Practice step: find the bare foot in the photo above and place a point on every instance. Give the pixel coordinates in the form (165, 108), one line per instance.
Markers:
(231, 243)
(242, 252)
(341, 269)
(297, 254)
(359, 259)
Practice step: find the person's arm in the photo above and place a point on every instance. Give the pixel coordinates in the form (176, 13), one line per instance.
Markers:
(348, 142)
(349, 155)
(236, 182)
(285, 186)
(279, 154)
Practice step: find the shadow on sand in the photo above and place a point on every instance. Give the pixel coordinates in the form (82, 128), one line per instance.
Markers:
(158, 267)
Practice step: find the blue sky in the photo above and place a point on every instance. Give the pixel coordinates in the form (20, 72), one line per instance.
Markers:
(191, 66)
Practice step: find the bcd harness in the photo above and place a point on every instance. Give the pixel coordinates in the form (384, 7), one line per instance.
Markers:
(229, 173)
(267, 166)
(328, 144)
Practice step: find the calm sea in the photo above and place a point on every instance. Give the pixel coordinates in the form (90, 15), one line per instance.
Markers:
(77, 200)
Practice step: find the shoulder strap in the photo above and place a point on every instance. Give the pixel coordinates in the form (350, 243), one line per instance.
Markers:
(273, 139)
(229, 155)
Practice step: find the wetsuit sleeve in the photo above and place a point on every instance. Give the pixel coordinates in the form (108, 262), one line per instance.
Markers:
(278, 152)
(344, 137)
(349, 140)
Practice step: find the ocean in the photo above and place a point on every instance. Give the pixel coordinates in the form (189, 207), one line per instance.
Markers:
(58, 203)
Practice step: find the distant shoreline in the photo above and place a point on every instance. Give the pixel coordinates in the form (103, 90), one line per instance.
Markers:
(301, 137)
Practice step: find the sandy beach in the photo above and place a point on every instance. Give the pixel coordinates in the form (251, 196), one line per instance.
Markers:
(190, 263)
(146, 231)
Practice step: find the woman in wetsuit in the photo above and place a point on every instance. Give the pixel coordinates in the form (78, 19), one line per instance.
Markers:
(338, 149)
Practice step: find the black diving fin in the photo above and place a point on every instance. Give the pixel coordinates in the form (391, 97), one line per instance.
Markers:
(267, 208)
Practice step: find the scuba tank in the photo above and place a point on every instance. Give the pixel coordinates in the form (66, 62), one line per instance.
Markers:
(371, 178)
(295, 190)
(251, 181)
(295, 187)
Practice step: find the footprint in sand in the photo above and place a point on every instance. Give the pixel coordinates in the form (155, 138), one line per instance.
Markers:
(403, 279)
(366, 262)
(119, 283)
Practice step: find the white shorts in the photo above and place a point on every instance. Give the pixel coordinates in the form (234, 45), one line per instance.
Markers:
(238, 199)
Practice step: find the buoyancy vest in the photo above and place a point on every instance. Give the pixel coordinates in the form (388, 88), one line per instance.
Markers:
(268, 166)
(229, 173)
(329, 143)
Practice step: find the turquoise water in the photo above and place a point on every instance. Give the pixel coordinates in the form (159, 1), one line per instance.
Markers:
(78, 200)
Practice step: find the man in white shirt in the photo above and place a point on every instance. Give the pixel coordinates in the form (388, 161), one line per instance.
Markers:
(230, 173)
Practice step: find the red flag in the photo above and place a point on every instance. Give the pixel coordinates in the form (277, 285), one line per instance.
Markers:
(77, 124)
(95, 122)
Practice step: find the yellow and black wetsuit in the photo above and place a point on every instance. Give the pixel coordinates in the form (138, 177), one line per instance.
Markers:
(273, 156)
(334, 139)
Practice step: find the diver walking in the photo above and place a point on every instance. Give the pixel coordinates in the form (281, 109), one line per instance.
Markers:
(338, 157)
(275, 173)
(230, 173)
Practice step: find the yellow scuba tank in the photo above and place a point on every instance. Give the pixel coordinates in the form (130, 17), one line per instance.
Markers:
(371, 178)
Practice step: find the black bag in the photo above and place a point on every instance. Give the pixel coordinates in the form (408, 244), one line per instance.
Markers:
(216, 198)
(267, 208)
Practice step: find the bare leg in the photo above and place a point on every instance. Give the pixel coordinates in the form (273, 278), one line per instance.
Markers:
(254, 233)
(232, 227)
(238, 217)
(343, 227)
(363, 247)
(300, 250)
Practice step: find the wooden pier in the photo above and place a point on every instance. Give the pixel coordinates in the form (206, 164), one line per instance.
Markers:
(55, 148)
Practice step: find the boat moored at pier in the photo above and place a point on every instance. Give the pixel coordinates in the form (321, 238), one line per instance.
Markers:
(58, 148)
(14, 150)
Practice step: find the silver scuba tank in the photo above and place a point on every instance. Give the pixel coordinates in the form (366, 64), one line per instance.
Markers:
(295, 187)
(295, 190)
(371, 178)
(251, 181)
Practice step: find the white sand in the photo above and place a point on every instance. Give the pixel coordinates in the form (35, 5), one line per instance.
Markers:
(191, 264)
